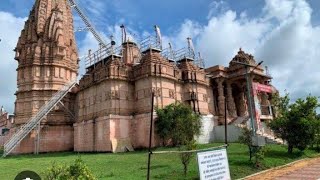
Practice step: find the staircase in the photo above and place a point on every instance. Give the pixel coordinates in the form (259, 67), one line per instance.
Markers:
(25, 129)
(240, 120)
(270, 139)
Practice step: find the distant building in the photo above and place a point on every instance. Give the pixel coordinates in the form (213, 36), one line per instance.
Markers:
(110, 108)
(6, 123)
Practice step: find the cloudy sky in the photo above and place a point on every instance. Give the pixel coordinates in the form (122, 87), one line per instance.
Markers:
(285, 34)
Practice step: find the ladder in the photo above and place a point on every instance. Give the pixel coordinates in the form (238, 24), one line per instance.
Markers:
(86, 21)
(25, 129)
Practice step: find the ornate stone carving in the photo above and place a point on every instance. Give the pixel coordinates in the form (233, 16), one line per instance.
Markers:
(243, 105)
(147, 93)
(242, 57)
(157, 92)
(172, 94)
(46, 42)
(41, 16)
(115, 94)
(205, 97)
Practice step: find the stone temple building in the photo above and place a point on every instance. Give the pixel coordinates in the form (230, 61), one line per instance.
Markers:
(109, 109)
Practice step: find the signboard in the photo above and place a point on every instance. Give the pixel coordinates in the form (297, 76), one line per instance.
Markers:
(213, 165)
(257, 87)
(262, 87)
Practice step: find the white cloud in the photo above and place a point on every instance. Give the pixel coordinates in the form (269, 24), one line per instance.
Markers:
(292, 49)
(290, 46)
(223, 35)
(217, 7)
(278, 9)
(9, 33)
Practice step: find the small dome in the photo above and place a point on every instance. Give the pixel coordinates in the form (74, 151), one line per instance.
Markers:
(244, 58)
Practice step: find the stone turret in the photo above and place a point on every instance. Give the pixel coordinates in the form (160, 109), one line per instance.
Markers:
(47, 60)
(131, 52)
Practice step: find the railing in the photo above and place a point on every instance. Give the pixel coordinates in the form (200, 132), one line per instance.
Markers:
(150, 42)
(184, 53)
(200, 62)
(101, 54)
(25, 129)
(169, 54)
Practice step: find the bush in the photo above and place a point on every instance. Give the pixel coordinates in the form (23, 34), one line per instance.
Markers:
(246, 139)
(178, 123)
(185, 157)
(316, 132)
(259, 156)
(256, 152)
(76, 171)
(295, 122)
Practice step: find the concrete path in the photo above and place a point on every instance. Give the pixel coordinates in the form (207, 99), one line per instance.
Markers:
(303, 170)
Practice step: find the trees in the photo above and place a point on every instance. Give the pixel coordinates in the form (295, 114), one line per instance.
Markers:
(178, 123)
(316, 132)
(254, 151)
(246, 139)
(294, 122)
(165, 123)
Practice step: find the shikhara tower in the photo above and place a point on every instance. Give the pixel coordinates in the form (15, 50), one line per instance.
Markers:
(47, 59)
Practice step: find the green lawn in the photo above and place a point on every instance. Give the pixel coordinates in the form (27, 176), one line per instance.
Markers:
(133, 165)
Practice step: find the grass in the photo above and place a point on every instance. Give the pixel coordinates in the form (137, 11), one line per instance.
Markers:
(133, 165)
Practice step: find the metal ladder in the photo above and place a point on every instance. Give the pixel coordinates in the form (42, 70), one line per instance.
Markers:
(25, 129)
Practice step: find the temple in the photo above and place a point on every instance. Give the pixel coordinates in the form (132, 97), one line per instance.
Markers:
(109, 109)
(47, 59)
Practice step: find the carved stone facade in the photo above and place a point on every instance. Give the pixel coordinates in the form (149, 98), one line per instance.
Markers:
(127, 113)
(47, 59)
(230, 86)
(112, 103)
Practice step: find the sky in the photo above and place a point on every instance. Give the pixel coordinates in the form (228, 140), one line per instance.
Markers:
(285, 34)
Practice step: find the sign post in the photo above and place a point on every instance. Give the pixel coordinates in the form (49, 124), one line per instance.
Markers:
(213, 165)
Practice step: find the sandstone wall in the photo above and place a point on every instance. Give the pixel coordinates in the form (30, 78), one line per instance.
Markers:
(52, 139)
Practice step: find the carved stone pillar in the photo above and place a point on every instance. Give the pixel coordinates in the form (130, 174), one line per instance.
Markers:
(265, 104)
(243, 109)
(230, 100)
(221, 98)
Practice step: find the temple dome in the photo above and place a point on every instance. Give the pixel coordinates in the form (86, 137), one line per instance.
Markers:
(244, 58)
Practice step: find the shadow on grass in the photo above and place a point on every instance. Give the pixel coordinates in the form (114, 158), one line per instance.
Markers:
(177, 174)
(283, 154)
(154, 167)
(66, 154)
(247, 163)
(238, 153)
(44, 155)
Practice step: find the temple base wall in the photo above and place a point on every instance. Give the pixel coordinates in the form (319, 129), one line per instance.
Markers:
(113, 133)
(207, 129)
(56, 138)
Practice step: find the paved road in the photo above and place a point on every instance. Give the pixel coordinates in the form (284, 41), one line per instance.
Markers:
(309, 172)
(308, 169)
